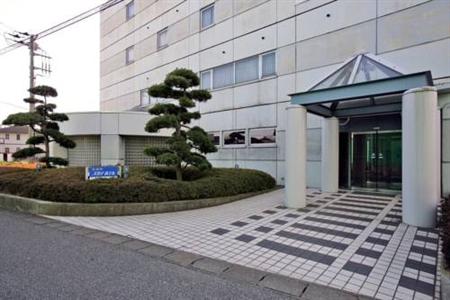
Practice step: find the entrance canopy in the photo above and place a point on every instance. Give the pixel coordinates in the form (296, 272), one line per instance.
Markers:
(362, 85)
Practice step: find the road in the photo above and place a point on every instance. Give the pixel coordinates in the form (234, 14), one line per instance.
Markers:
(39, 262)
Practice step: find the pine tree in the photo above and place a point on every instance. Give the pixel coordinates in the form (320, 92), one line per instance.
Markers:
(43, 122)
(187, 146)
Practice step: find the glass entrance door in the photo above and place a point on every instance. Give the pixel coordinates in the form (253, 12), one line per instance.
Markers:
(376, 160)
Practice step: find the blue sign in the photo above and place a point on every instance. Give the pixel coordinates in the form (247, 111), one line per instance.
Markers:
(103, 172)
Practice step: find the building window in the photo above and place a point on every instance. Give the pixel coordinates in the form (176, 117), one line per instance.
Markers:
(130, 10)
(262, 136)
(205, 80)
(6, 150)
(6, 136)
(129, 55)
(247, 69)
(145, 97)
(234, 137)
(268, 66)
(162, 39)
(223, 76)
(207, 16)
(244, 70)
(214, 137)
(18, 137)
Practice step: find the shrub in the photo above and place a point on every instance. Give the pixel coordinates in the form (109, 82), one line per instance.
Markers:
(143, 185)
(445, 230)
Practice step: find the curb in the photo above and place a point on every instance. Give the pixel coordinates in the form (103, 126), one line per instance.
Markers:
(213, 267)
(41, 207)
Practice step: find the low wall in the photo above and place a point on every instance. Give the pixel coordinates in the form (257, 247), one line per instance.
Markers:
(40, 207)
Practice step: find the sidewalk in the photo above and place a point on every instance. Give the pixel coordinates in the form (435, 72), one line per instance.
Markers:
(350, 242)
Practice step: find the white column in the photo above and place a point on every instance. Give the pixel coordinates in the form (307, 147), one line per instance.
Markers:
(295, 178)
(330, 155)
(419, 142)
(438, 152)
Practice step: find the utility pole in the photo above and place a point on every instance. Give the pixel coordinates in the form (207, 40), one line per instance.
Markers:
(31, 47)
(29, 40)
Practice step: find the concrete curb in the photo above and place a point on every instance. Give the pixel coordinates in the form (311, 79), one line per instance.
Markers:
(41, 207)
(213, 267)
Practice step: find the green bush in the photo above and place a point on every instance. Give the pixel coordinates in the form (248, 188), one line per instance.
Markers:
(143, 185)
(445, 230)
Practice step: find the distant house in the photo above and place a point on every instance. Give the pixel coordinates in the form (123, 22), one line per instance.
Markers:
(12, 139)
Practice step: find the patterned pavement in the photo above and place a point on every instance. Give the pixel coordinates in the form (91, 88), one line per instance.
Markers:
(344, 240)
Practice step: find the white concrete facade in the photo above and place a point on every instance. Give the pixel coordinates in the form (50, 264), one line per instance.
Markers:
(101, 137)
(309, 39)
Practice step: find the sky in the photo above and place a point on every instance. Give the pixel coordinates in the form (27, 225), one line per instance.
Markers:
(74, 51)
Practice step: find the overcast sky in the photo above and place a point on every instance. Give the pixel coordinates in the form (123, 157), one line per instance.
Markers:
(75, 53)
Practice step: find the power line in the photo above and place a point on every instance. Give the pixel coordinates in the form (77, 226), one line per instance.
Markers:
(13, 105)
(60, 26)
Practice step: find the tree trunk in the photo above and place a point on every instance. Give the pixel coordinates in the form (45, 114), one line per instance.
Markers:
(47, 153)
(179, 174)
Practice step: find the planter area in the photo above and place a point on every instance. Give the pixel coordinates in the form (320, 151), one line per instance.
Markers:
(64, 192)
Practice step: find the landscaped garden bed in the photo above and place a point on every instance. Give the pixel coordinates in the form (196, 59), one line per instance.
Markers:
(143, 185)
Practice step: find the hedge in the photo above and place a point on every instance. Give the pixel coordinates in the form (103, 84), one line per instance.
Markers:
(68, 185)
(445, 230)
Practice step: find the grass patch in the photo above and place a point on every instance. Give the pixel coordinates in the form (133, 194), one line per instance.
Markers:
(142, 185)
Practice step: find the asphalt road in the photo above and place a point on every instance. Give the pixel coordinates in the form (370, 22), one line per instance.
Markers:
(38, 262)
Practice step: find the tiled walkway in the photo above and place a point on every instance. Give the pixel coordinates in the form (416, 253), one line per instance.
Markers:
(348, 241)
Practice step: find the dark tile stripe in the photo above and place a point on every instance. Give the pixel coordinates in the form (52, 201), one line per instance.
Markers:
(357, 268)
(255, 217)
(369, 198)
(239, 224)
(312, 240)
(378, 204)
(426, 239)
(245, 238)
(384, 231)
(279, 222)
(354, 211)
(424, 251)
(390, 223)
(306, 254)
(291, 216)
(377, 241)
(343, 216)
(341, 203)
(338, 223)
(421, 266)
(220, 231)
(263, 229)
(325, 230)
(417, 285)
(368, 253)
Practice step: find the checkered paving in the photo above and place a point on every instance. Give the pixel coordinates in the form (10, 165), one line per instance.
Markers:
(344, 240)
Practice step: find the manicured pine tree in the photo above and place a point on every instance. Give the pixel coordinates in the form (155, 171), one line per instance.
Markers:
(187, 145)
(43, 123)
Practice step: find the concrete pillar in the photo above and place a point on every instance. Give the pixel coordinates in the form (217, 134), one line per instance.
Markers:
(330, 155)
(438, 152)
(295, 178)
(419, 142)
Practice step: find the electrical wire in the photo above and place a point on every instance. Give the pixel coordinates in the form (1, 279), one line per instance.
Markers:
(60, 26)
(13, 105)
